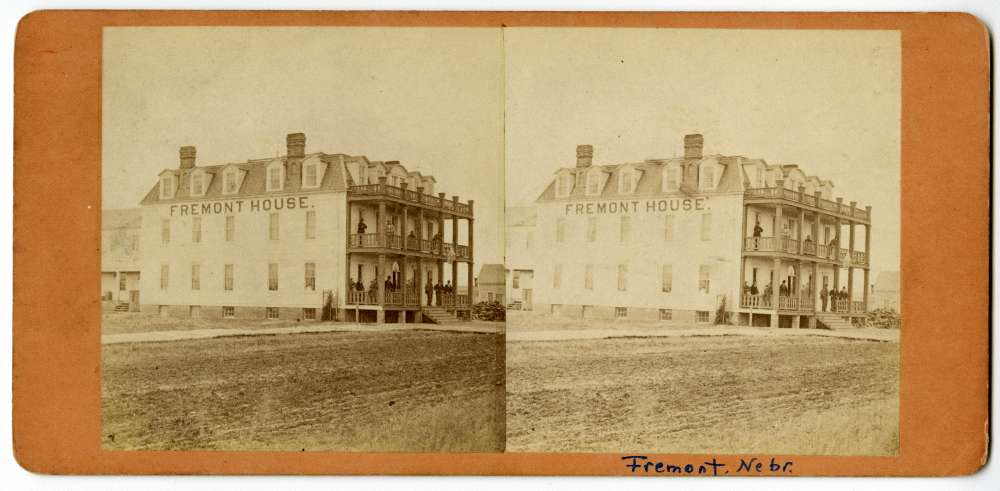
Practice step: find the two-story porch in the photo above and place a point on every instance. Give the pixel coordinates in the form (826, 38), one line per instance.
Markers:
(400, 244)
(793, 259)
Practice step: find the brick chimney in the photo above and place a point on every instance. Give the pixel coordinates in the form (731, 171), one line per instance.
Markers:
(296, 150)
(584, 155)
(187, 157)
(693, 145)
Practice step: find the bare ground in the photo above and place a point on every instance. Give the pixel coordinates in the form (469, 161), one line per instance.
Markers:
(779, 394)
(351, 391)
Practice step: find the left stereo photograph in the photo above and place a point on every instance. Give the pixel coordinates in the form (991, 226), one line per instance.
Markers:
(302, 239)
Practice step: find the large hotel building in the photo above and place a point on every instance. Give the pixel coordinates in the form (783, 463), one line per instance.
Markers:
(698, 238)
(302, 237)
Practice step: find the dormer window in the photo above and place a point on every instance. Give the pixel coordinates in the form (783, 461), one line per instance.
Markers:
(760, 178)
(564, 185)
(198, 183)
(274, 178)
(628, 180)
(310, 175)
(708, 177)
(593, 183)
(671, 178)
(167, 186)
(230, 181)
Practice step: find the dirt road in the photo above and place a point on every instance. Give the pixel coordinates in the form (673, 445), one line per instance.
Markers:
(703, 394)
(389, 391)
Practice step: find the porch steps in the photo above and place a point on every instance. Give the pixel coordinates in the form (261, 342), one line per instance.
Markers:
(438, 315)
(828, 320)
(121, 307)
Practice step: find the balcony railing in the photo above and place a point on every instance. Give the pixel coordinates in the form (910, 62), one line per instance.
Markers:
(409, 297)
(808, 200)
(791, 246)
(412, 196)
(454, 300)
(845, 306)
(390, 241)
(765, 302)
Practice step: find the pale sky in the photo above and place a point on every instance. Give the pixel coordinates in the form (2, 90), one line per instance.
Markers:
(434, 99)
(828, 101)
(430, 98)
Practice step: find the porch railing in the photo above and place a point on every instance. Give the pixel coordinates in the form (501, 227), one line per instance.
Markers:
(756, 301)
(765, 302)
(368, 297)
(411, 195)
(809, 200)
(845, 306)
(454, 300)
(791, 246)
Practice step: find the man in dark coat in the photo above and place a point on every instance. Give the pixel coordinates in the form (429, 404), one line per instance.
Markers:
(429, 291)
(362, 226)
(823, 297)
(438, 289)
(757, 231)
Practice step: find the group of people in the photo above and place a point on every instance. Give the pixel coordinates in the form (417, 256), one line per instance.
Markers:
(786, 232)
(784, 290)
(437, 291)
(832, 295)
(390, 229)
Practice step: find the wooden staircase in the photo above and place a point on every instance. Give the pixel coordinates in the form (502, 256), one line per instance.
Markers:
(438, 315)
(830, 320)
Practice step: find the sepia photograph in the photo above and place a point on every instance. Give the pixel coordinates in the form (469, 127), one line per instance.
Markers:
(702, 241)
(302, 239)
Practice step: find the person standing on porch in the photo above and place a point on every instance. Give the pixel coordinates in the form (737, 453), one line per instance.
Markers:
(362, 226)
(757, 231)
(429, 291)
(823, 297)
(437, 293)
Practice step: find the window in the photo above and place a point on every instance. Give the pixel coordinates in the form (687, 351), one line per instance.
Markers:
(588, 277)
(196, 229)
(594, 183)
(581, 180)
(121, 282)
(621, 312)
(167, 186)
(311, 276)
(230, 228)
(273, 313)
(309, 314)
(706, 226)
(701, 316)
(557, 276)
(628, 178)
(760, 178)
(708, 177)
(670, 178)
(272, 277)
(591, 229)
(564, 185)
(626, 229)
(310, 224)
(666, 315)
(229, 182)
(165, 231)
(311, 177)
(667, 278)
(227, 278)
(704, 273)
(164, 276)
(274, 178)
(622, 277)
(668, 228)
(197, 184)
(516, 280)
(196, 276)
(560, 229)
(194, 311)
(228, 312)
(272, 227)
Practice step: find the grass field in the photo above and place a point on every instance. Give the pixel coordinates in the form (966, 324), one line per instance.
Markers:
(413, 391)
(710, 394)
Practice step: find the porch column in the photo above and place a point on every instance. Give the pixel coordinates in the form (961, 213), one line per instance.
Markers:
(379, 226)
(802, 223)
(471, 263)
(774, 290)
(813, 286)
(403, 233)
(836, 254)
(864, 298)
(380, 289)
(421, 295)
(798, 282)
(746, 218)
(743, 280)
(868, 258)
(454, 248)
(347, 279)
(779, 246)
